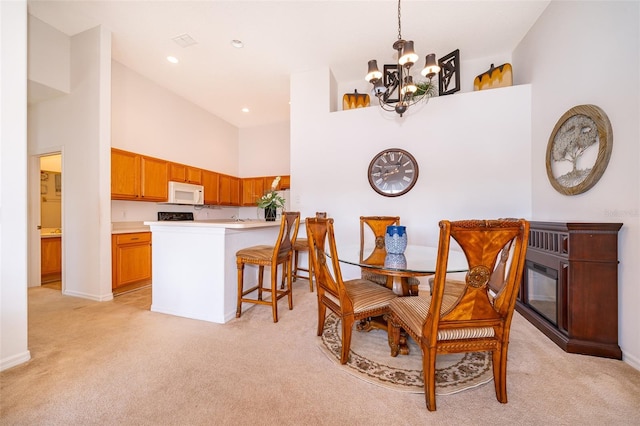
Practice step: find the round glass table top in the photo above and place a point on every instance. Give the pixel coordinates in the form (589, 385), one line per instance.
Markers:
(415, 259)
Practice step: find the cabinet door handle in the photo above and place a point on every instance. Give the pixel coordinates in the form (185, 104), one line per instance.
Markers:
(134, 239)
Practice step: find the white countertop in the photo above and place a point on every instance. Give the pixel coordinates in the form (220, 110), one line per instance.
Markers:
(128, 227)
(50, 232)
(216, 223)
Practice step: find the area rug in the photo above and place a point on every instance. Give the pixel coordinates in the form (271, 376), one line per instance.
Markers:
(371, 361)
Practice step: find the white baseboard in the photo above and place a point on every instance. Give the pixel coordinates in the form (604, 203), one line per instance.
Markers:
(14, 360)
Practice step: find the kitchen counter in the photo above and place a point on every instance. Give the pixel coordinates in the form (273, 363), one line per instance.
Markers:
(128, 227)
(194, 265)
(50, 233)
(217, 223)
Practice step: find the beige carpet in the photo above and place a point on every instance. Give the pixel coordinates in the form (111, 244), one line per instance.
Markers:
(369, 360)
(111, 363)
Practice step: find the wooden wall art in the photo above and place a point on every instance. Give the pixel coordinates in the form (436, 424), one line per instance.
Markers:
(391, 80)
(579, 149)
(355, 100)
(501, 76)
(449, 70)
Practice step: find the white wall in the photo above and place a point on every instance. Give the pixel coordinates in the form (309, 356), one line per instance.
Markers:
(79, 125)
(588, 53)
(151, 120)
(49, 56)
(264, 150)
(13, 184)
(473, 151)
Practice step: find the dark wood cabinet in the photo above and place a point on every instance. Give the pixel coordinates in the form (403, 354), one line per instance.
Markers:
(570, 285)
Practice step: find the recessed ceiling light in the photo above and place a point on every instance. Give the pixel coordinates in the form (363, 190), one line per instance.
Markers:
(237, 44)
(172, 59)
(245, 109)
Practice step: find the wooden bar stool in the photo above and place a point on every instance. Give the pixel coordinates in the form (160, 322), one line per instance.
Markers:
(271, 256)
(302, 245)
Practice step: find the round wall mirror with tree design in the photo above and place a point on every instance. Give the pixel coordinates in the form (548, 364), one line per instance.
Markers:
(579, 149)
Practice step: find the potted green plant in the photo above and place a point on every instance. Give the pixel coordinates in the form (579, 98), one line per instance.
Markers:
(271, 201)
(427, 88)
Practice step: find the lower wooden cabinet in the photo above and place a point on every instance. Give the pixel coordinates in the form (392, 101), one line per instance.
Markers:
(131, 259)
(50, 258)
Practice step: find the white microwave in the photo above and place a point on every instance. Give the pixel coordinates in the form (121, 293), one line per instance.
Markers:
(186, 193)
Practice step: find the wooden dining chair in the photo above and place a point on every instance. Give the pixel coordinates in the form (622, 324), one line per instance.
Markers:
(302, 245)
(271, 256)
(351, 300)
(377, 225)
(478, 317)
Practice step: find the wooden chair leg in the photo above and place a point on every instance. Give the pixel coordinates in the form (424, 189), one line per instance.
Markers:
(429, 369)
(240, 266)
(295, 264)
(310, 271)
(274, 292)
(347, 328)
(393, 335)
(289, 282)
(500, 374)
(260, 281)
(322, 313)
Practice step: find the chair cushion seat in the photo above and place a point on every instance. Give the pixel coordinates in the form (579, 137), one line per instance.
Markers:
(302, 244)
(262, 252)
(414, 310)
(367, 295)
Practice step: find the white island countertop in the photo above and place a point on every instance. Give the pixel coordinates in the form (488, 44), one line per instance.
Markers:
(195, 274)
(216, 223)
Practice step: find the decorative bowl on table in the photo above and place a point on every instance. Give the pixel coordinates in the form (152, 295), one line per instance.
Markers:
(395, 239)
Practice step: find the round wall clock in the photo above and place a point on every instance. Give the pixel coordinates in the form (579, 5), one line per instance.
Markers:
(393, 172)
(579, 149)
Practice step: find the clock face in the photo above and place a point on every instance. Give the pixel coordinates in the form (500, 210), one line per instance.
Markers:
(393, 172)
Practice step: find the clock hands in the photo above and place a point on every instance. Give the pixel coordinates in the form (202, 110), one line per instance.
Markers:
(393, 172)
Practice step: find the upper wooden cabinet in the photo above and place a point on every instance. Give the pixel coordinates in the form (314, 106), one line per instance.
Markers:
(141, 178)
(229, 194)
(183, 173)
(138, 177)
(211, 183)
(252, 190)
(285, 182)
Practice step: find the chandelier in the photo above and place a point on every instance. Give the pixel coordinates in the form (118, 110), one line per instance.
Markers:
(398, 91)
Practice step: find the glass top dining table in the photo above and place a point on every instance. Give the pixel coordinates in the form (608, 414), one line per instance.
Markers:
(417, 260)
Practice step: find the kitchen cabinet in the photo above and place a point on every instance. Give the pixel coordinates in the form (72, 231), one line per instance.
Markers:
(50, 258)
(138, 177)
(184, 173)
(282, 185)
(211, 183)
(285, 182)
(252, 190)
(131, 259)
(229, 194)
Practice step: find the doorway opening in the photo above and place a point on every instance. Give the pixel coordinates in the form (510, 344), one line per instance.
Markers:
(50, 221)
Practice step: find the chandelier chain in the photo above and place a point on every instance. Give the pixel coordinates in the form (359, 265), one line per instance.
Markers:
(399, 23)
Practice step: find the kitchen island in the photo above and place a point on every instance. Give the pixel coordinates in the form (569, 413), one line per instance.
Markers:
(194, 265)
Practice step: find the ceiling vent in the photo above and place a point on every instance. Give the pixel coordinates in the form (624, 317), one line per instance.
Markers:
(184, 40)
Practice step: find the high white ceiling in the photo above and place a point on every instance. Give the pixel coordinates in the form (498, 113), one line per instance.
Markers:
(281, 38)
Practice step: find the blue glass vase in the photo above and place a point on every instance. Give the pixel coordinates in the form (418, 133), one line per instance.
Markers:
(395, 239)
